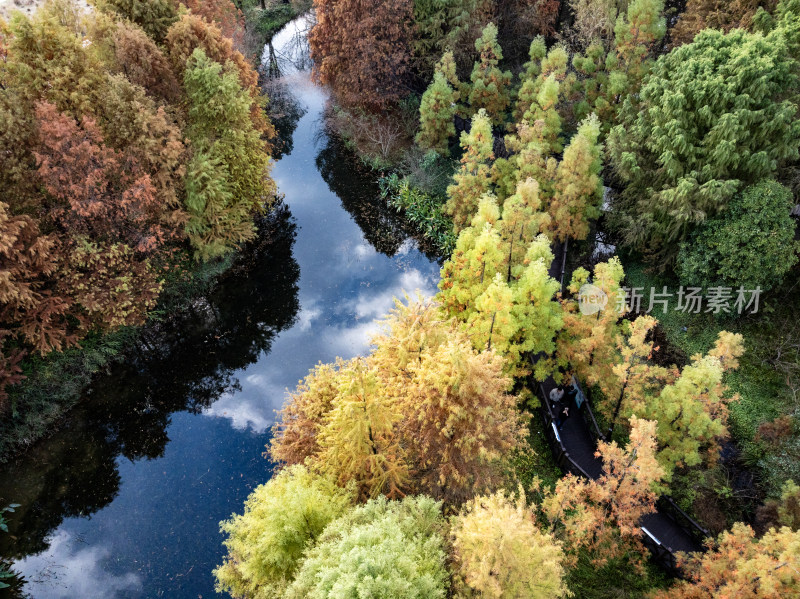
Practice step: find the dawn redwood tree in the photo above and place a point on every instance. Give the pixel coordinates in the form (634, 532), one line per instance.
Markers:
(451, 25)
(100, 192)
(295, 434)
(149, 136)
(143, 62)
(358, 440)
(192, 32)
(363, 50)
(490, 86)
(500, 552)
(282, 519)
(110, 284)
(578, 186)
(692, 411)
(742, 566)
(30, 309)
(228, 176)
(602, 516)
(47, 61)
(436, 113)
(714, 116)
(154, 16)
(716, 14)
(477, 258)
(586, 344)
(473, 179)
(460, 421)
(224, 14)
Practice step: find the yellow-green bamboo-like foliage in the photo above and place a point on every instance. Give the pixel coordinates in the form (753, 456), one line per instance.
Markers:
(424, 402)
(499, 551)
(282, 519)
(497, 282)
(474, 177)
(383, 549)
(489, 84)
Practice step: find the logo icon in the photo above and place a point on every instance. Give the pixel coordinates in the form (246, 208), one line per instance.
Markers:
(591, 299)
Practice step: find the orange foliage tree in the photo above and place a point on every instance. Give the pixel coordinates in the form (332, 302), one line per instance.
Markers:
(602, 516)
(741, 566)
(99, 191)
(363, 49)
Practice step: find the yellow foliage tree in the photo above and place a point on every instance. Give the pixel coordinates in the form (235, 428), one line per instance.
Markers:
(499, 552)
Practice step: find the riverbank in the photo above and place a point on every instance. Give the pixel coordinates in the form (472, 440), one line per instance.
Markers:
(56, 383)
(272, 15)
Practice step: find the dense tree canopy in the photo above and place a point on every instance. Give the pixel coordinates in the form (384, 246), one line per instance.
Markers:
(282, 519)
(750, 244)
(363, 50)
(388, 549)
(500, 552)
(714, 115)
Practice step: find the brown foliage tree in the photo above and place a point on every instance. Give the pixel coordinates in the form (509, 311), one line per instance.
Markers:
(30, 311)
(147, 134)
(99, 192)
(362, 49)
(224, 13)
(143, 63)
(602, 515)
(741, 566)
(716, 14)
(111, 286)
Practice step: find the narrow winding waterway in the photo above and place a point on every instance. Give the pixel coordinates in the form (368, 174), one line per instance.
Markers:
(125, 499)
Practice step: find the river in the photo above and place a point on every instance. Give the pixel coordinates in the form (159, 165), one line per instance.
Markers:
(124, 500)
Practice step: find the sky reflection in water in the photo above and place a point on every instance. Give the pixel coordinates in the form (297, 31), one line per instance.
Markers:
(125, 500)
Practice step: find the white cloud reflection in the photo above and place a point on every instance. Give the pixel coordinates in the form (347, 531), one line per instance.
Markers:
(68, 569)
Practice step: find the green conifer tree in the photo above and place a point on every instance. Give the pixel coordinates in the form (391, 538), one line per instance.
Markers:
(473, 180)
(436, 113)
(490, 84)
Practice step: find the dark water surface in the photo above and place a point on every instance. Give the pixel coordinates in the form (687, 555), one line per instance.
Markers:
(125, 499)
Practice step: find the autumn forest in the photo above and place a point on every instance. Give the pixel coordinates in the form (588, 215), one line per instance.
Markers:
(533, 262)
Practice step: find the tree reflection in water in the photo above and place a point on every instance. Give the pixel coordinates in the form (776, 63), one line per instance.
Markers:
(384, 227)
(183, 364)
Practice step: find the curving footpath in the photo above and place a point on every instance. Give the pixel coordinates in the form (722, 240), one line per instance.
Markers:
(665, 532)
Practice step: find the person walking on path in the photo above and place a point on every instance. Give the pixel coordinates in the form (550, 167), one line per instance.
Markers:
(560, 410)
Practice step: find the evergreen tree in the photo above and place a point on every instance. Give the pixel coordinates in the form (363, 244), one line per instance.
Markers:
(436, 113)
(750, 244)
(714, 116)
(578, 186)
(489, 84)
(473, 179)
